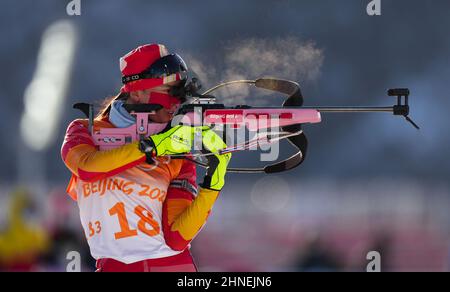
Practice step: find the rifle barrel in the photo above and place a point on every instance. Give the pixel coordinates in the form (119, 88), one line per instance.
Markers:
(339, 109)
(351, 109)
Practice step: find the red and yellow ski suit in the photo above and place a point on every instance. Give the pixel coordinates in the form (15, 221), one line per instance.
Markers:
(136, 216)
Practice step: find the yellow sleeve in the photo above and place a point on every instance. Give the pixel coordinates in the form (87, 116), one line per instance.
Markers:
(81, 156)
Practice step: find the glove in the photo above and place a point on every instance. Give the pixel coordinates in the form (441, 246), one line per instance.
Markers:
(177, 140)
(217, 164)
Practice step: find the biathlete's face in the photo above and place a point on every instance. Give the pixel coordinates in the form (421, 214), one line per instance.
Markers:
(165, 114)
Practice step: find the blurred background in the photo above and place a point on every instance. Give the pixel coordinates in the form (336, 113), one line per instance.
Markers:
(371, 182)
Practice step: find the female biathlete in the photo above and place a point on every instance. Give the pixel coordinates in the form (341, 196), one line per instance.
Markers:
(140, 209)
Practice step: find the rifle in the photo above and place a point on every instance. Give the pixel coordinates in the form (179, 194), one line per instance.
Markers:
(289, 117)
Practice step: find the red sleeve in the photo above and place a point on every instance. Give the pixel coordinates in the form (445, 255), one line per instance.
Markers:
(184, 211)
(180, 194)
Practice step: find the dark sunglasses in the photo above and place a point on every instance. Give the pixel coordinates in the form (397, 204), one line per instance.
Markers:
(166, 66)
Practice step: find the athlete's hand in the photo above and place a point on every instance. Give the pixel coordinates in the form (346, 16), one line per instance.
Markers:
(177, 140)
(217, 164)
